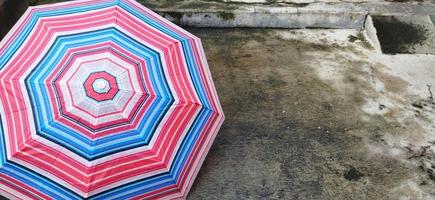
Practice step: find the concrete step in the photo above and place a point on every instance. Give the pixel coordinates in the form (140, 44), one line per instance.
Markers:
(284, 13)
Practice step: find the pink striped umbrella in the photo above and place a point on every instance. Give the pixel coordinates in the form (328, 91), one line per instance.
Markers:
(103, 99)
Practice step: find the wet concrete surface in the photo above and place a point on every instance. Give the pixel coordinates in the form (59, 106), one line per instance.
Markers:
(297, 124)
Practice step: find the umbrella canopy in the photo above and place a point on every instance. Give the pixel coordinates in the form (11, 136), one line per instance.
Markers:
(103, 99)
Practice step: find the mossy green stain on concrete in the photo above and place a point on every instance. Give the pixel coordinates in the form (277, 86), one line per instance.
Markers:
(360, 38)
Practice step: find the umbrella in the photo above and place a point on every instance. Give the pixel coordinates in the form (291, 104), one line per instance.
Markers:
(103, 99)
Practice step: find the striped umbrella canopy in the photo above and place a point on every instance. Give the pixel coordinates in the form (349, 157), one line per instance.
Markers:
(103, 99)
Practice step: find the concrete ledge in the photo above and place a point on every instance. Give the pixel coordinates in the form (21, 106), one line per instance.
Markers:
(371, 34)
(283, 15)
(266, 19)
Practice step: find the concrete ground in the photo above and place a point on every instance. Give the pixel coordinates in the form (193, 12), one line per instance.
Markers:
(318, 114)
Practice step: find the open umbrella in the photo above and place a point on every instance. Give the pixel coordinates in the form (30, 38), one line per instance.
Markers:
(103, 99)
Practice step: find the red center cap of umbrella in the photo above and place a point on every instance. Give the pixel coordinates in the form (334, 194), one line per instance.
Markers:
(101, 86)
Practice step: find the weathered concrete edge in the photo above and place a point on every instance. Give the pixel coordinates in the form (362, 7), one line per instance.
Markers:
(314, 15)
(268, 20)
(371, 34)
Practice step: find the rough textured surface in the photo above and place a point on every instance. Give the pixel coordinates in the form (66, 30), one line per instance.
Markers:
(317, 114)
